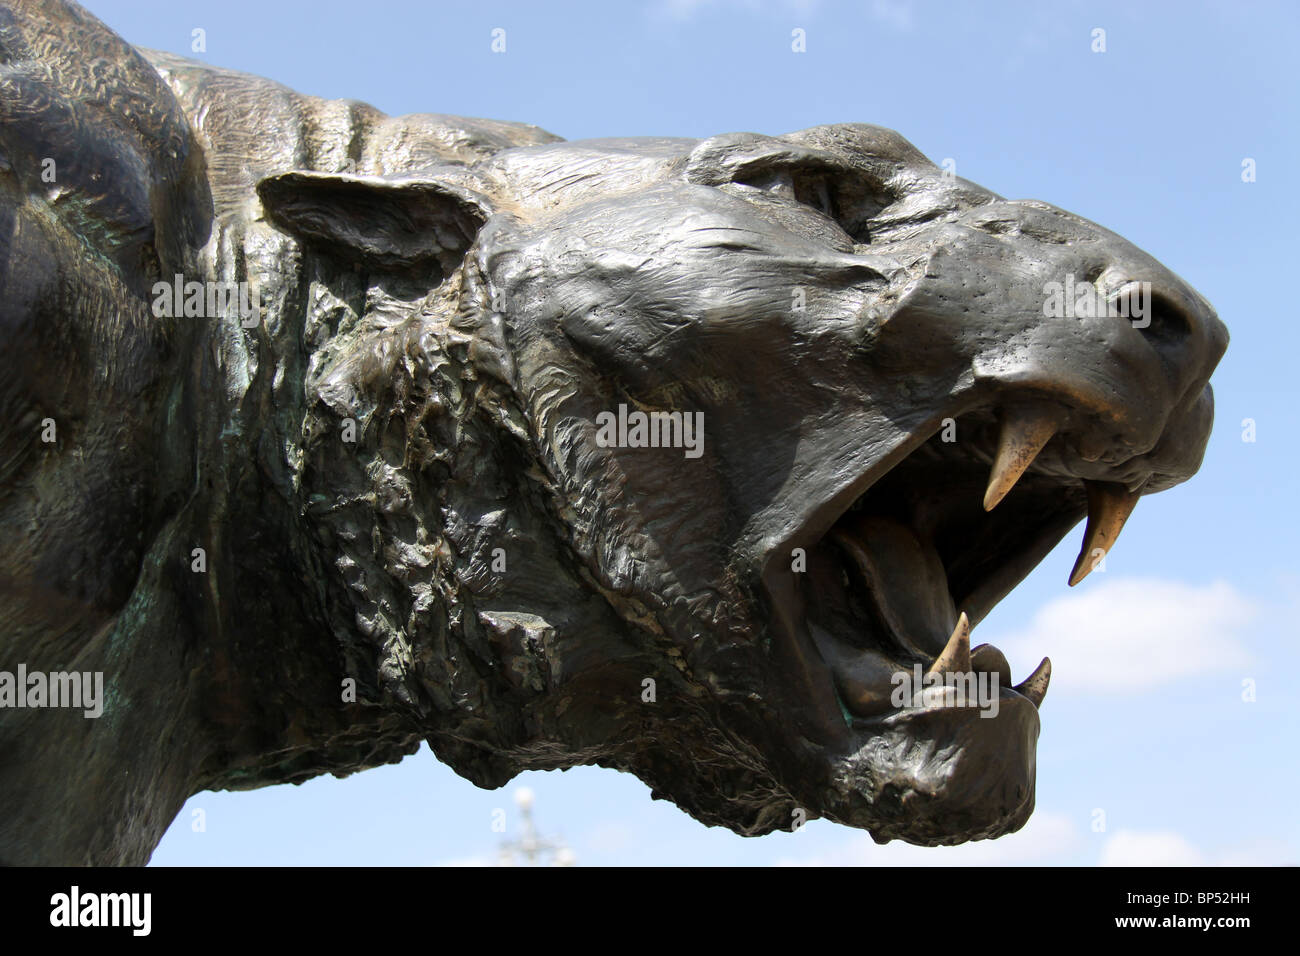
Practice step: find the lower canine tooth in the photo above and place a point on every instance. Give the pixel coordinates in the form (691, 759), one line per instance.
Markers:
(1035, 685)
(1109, 505)
(955, 658)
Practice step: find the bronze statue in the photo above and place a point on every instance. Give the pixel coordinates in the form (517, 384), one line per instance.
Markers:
(327, 432)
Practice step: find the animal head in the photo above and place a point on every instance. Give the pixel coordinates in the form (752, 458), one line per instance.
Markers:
(697, 446)
(101, 193)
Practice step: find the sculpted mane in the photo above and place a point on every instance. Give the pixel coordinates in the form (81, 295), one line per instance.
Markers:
(382, 507)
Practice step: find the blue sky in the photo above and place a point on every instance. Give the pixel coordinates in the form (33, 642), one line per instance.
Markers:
(1148, 754)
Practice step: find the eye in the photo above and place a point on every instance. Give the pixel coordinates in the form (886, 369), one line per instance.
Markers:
(816, 192)
(847, 198)
(809, 189)
(847, 190)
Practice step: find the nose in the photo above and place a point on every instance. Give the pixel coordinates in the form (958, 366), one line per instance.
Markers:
(1167, 314)
(1098, 326)
(1168, 339)
(1058, 322)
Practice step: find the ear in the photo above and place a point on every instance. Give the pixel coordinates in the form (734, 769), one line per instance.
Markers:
(398, 223)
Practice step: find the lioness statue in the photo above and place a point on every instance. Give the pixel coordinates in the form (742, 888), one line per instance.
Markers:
(326, 433)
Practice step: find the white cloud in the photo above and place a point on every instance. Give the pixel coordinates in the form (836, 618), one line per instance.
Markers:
(1053, 839)
(1046, 838)
(682, 9)
(1149, 848)
(897, 15)
(467, 861)
(1136, 633)
(1259, 853)
(687, 9)
(1168, 848)
(893, 13)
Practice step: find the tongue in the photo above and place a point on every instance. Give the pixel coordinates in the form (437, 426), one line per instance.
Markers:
(904, 579)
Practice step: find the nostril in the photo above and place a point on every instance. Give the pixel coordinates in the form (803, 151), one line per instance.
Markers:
(1163, 323)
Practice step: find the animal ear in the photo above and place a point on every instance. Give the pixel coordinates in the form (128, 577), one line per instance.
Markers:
(396, 223)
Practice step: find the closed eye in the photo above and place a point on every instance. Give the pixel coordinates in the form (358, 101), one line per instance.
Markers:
(848, 191)
(834, 193)
(814, 191)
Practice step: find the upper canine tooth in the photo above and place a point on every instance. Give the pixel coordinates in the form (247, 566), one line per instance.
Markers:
(1109, 505)
(1035, 685)
(955, 658)
(1024, 433)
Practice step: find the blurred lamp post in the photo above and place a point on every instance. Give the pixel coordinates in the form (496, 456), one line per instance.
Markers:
(533, 850)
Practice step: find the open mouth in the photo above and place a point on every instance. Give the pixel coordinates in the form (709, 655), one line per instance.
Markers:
(896, 583)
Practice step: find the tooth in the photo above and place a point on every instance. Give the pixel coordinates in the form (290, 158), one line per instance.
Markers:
(987, 659)
(1035, 685)
(1109, 505)
(1024, 433)
(955, 658)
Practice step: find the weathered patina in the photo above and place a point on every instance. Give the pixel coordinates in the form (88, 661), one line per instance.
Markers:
(386, 504)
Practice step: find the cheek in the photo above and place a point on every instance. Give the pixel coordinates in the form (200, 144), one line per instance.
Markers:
(625, 346)
(685, 303)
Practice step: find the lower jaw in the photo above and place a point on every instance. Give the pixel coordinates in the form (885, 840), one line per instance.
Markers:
(942, 776)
